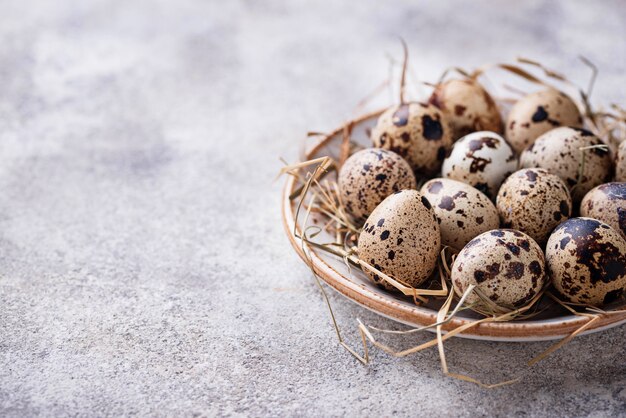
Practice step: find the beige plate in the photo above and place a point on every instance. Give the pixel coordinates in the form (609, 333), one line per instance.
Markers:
(353, 284)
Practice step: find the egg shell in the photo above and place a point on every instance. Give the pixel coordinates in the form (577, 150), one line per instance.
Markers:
(369, 176)
(507, 266)
(586, 259)
(461, 210)
(558, 151)
(607, 203)
(481, 159)
(401, 238)
(418, 132)
(468, 106)
(537, 113)
(534, 202)
(620, 162)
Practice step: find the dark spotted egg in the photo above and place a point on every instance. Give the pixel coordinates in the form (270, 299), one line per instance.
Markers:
(462, 211)
(468, 106)
(481, 159)
(369, 176)
(401, 238)
(534, 201)
(620, 162)
(536, 114)
(560, 151)
(607, 203)
(587, 261)
(506, 266)
(420, 133)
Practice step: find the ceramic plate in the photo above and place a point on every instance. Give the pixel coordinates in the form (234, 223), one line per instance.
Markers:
(354, 284)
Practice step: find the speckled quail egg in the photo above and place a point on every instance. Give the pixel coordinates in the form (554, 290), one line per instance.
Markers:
(481, 159)
(536, 114)
(586, 259)
(533, 201)
(505, 265)
(369, 176)
(462, 211)
(607, 203)
(468, 106)
(420, 133)
(401, 238)
(558, 151)
(620, 162)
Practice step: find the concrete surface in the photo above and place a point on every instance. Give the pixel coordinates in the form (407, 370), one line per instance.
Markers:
(143, 265)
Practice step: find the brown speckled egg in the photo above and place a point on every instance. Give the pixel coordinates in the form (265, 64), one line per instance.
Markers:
(462, 211)
(620, 162)
(420, 133)
(401, 238)
(480, 159)
(534, 202)
(586, 259)
(369, 176)
(558, 151)
(536, 114)
(507, 266)
(607, 203)
(468, 106)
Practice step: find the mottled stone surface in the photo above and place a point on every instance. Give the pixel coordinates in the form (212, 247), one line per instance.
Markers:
(143, 265)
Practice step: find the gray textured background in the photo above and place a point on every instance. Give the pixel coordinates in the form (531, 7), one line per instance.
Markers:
(143, 265)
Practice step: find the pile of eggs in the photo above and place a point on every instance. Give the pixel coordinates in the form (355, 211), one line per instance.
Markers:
(510, 195)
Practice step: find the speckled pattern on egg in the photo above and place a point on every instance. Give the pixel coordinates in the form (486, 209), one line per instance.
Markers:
(481, 159)
(369, 176)
(468, 106)
(507, 266)
(538, 113)
(462, 211)
(533, 201)
(620, 162)
(418, 132)
(586, 259)
(401, 238)
(607, 203)
(558, 151)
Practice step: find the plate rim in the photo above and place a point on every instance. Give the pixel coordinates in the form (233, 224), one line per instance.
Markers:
(540, 330)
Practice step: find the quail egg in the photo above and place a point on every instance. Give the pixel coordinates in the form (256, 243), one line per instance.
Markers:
(537, 113)
(559, 152)
(481, 159)
(607, 203)
(620, 162)
(533, 201)
(586, 259)
(401, 238)
(506, 266)
(462, 211)
(420, 133)
(468, 106)
(369, 176)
